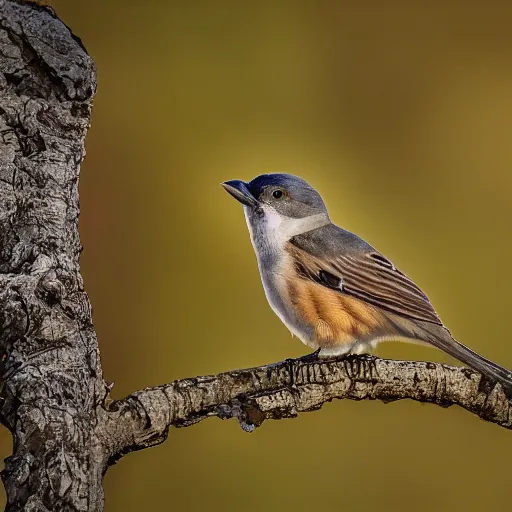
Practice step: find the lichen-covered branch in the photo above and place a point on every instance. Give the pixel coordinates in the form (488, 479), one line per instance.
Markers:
(53, 398)
(285, 389)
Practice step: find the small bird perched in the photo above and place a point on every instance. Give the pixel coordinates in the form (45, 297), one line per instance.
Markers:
(332, 289)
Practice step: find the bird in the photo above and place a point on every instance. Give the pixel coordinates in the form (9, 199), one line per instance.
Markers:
(332, 289)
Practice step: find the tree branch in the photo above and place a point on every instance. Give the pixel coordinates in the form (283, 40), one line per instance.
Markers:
(285, 389)
(53, 398)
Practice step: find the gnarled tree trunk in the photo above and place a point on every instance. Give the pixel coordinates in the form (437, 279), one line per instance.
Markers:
(51, 370)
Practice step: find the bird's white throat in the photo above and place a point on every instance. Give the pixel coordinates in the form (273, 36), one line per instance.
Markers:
(273, 230)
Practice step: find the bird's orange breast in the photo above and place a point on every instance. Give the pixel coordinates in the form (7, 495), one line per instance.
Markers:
(334, 317)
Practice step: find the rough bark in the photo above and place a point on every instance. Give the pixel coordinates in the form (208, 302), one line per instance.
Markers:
(51, 370)
(53, 397)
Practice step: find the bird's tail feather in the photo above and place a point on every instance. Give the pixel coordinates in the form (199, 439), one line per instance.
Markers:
(443, 340)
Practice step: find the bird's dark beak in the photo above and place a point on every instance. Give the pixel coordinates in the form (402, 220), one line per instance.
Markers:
(240, 191)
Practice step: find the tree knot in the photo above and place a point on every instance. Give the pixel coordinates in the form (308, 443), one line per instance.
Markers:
(50, 289)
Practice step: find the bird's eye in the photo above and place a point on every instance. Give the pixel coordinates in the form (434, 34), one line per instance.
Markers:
(277, 194)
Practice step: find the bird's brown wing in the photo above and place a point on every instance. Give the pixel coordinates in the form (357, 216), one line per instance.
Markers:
(370, 277)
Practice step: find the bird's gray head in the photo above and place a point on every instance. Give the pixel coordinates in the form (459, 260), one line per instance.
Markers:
(278, 207)
(288, 195)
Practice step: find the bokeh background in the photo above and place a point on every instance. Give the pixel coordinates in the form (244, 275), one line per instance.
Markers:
(401, 117)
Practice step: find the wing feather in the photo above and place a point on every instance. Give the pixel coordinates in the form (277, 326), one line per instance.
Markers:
(370, 277)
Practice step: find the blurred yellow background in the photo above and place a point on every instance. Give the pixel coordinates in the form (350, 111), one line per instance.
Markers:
(401, 117)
